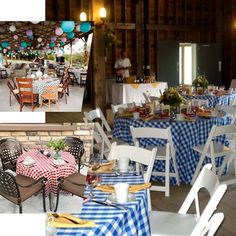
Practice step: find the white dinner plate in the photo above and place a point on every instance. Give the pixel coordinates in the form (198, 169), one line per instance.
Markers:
(112, 198)
(59, 162)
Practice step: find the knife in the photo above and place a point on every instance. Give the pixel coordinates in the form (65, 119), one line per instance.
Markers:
(58, 216)
(109, 204)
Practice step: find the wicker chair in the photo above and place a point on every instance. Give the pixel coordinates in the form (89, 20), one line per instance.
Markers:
(10, 150)
(76, 148)
(19, 188)
(74, 184)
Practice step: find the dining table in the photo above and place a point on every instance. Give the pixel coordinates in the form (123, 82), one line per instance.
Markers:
(131, 221)
(44, 166)
(185, 135)
(214, 100)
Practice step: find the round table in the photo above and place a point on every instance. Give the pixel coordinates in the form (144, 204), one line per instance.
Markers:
(185, 135)
(44, 167)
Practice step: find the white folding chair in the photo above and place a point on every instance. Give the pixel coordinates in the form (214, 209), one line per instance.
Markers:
(230, 112)
(102, 142)
(213, 149)
(233, 84)
(164, 153)
(98, 114)
(213, 224)
(139, 155)
(183, 223)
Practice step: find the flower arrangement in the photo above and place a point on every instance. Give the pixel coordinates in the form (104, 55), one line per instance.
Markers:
(200, 81)
(57, 145)
(109, 36)
(171, 97)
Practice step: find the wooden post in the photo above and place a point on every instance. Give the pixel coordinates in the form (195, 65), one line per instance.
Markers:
(98, 59)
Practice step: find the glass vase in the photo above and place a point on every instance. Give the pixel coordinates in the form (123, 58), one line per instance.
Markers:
(57, 155)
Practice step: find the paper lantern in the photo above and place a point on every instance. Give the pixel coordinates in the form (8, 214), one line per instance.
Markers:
(62, 43)
(29, 32)
(85, 27)
(58, 31)
(23, 44)
(70, 35)
(5, 44)
(63, 39)
(35, 22)
(51, 44)
(53, 38)
(15, 37)
(67, 26)
(39, 39)
(29, 44)
(12, 28)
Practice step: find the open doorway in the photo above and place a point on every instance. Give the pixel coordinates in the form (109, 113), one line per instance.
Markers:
(187, 63)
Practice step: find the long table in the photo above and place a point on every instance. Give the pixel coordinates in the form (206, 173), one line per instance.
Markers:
(214, 99)
(185, 135)
(112, 221)
(128, 93)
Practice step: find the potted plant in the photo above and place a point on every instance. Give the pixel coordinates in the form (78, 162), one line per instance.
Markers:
(58, 146)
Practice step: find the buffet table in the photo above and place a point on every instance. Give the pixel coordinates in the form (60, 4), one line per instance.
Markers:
(213, 99)
(112, 221)
(128, 93)
(185, 134)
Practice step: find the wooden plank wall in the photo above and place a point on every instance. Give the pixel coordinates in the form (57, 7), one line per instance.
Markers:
(196, 21)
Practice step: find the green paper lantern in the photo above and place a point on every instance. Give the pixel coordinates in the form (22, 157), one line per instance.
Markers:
(67, 26)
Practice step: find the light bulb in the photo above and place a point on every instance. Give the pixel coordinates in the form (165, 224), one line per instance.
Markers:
(102, 12)
(83, 16)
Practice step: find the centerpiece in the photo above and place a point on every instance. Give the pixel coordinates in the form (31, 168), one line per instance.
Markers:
(200, 84)
(58, 146)
(171, 97)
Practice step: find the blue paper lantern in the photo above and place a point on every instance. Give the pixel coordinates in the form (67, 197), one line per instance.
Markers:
(70, 35)
(67, 26)
(23, 44)
(5, 44)
(85, 27)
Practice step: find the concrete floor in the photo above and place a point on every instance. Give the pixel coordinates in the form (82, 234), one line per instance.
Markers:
(74, 101)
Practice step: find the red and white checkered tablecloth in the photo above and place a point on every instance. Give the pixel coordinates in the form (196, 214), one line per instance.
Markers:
(44, 167)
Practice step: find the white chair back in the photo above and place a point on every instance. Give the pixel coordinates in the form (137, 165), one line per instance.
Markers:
(157, 133)
(230, 112)
(213, 224)
(209, 181)
(147, 97)
(233, 84)
(97, 114)
(136, 154)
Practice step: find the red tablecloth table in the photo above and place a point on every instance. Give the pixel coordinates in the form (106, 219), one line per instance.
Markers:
(44, 167)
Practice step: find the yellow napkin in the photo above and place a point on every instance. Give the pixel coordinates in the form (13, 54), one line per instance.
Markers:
(105, 167)
(135, 86)
(132, 188)
(63, 221)
(154, 85)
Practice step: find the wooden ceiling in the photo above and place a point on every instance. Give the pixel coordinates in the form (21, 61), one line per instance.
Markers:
(44, 30)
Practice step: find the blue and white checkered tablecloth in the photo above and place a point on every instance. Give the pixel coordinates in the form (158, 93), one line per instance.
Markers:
(213, 99)
(111, 221)
(185, 135)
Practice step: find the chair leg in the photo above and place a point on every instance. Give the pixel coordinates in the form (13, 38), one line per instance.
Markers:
(10, 99)
(176, 170)
(57, 202)
(44, 203)
(167, 178)
(20, 208)
(199, 165)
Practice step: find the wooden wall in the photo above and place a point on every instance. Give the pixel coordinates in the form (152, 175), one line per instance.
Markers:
(141, 24)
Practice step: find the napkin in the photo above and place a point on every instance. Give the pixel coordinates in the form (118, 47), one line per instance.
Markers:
(105, 167)
(63, 221)
(132, 188)
(28, 161)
